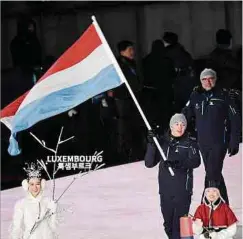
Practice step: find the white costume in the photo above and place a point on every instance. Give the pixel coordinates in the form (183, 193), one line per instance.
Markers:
(29, 211)
(227, 233)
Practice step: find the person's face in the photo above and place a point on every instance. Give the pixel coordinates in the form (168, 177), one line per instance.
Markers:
(208, 82)
(129, 52)
(212, 194)
(178, 129)
(34, 186)
(31, 28)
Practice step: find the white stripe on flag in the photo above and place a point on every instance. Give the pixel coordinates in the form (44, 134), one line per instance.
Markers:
(8, 121)
(75, 75)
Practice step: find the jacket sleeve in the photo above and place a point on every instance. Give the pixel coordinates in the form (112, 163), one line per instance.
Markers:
(197, 230)
(188, 110)
(229, 232)
(53, 219)
(235, 123)
(152, 156)
(198, 215)
(194, 159)
(17, 227)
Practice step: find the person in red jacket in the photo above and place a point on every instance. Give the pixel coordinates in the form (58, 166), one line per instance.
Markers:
(213, 218)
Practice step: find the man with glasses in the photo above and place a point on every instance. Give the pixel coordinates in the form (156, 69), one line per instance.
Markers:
(217, 124)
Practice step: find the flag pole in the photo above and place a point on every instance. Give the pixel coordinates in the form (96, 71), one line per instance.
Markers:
(122, 77)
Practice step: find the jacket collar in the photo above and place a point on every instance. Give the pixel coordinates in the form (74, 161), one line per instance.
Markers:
(127, 61)
(174, 140)
(213, 91)
(212, 205)
(37, 198)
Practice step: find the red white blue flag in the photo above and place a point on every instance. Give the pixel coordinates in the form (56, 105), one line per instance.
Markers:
(85, 70)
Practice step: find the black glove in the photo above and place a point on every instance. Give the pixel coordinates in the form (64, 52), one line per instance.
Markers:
(233, 151)
(150, 136)
(206, 234)
(173, 164)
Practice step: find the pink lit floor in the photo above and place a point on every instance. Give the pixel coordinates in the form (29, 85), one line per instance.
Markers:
(122, 202)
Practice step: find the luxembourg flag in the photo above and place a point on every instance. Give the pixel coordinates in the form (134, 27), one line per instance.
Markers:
(86, 69)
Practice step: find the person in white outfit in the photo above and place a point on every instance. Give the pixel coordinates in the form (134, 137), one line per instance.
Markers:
(35, 215)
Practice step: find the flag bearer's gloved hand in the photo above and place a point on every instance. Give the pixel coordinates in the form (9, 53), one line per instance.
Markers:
(150, 136)
(173, 164)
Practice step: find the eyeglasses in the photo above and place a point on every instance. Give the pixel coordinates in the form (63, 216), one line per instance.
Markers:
(206, 79)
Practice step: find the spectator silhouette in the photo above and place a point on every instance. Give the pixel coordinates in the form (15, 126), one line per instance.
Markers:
(26, 54)
(223, 61)
(128, 119)
(159, 74)
(183, 64)
(25, 47)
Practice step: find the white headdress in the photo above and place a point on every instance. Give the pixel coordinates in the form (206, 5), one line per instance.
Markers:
(33, 170)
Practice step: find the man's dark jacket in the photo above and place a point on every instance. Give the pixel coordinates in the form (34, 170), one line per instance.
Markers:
(129, 70)
(216, 117)
(185, 151)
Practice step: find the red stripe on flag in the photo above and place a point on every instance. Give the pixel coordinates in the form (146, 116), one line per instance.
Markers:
(11, 109)
(85, 45)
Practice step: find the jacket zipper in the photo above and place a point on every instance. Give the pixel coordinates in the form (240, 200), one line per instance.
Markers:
(39, 211)
(167, 153)
(187, 178)
(202, 106)
(225, 129)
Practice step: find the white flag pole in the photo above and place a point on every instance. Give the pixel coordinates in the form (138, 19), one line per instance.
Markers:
(121, 75)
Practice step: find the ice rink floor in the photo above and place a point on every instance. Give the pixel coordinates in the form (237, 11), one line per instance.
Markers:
(122, 202)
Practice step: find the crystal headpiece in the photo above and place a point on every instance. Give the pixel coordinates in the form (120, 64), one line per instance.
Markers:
(33, 170)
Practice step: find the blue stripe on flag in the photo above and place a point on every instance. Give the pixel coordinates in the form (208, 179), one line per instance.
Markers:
(61, 101)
